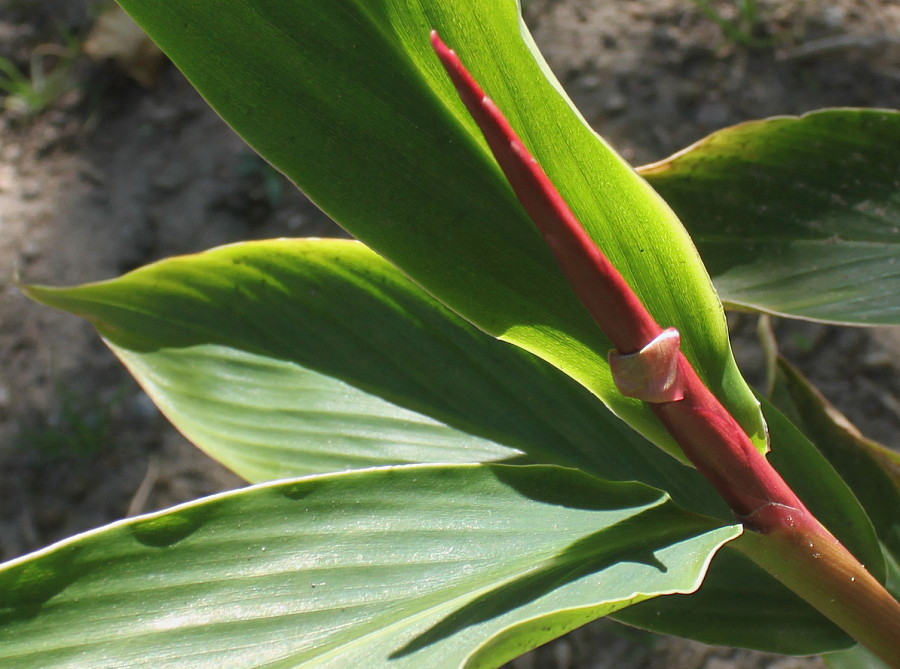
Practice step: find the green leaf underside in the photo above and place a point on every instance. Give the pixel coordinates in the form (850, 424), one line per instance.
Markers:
(288, 357)
(796, 216)
(408, 567)
(870, 469)
(296, 421)
(348, 100)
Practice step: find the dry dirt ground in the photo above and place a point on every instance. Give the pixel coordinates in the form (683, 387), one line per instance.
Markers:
(112, 175)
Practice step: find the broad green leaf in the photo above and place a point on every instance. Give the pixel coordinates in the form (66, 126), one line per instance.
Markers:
(394, 567)
(871, 470)
(347, 99)
(288, 357)
(741, 605)
(796, 216)
(252, 396)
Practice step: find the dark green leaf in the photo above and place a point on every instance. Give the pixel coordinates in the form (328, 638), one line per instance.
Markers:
(797, 216)
(287, 357)
(739, 604)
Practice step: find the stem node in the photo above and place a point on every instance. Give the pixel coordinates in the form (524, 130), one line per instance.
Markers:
(651, 374)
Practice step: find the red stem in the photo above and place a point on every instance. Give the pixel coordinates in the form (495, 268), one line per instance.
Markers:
(707, 433)
(600, 287)
(787, 540)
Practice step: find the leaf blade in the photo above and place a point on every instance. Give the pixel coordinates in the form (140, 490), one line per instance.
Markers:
(275, 573)
(189, 328)
(796, 216)
(323, 104)
(151, 318)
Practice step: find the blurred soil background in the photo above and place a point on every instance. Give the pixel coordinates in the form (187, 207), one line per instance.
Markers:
(107, 163)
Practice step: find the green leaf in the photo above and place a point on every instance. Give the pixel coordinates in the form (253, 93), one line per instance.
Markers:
(407, 567)
(870, 469)
(287, 357)
(347, 99)
(243, 345)
(796, 216)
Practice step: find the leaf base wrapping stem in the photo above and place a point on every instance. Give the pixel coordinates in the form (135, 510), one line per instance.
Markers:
(784, 538)
(651, 374)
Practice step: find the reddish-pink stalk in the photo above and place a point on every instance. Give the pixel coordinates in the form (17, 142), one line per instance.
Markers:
(710, 437)
(705, 430)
